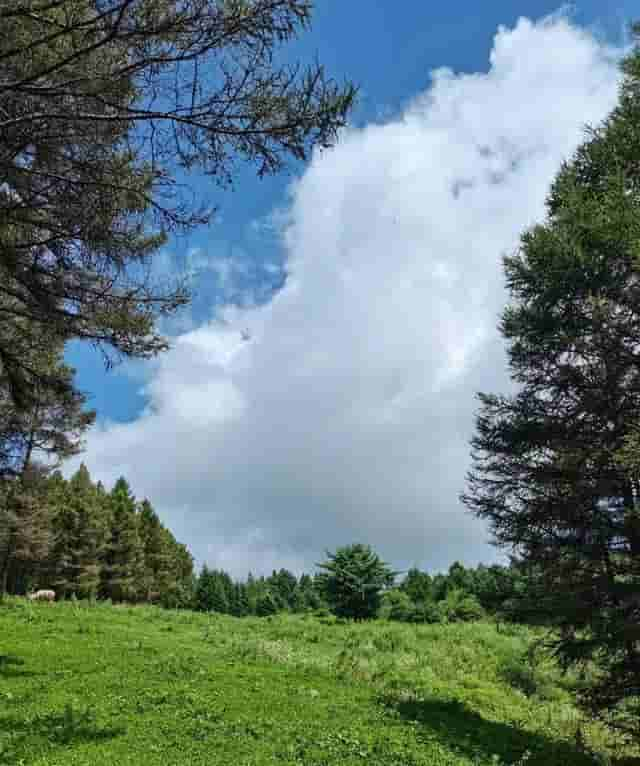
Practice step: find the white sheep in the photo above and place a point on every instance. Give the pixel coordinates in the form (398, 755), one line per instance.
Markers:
(42, 595)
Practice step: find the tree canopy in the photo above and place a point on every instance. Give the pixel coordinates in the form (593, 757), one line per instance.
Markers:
(104, 105)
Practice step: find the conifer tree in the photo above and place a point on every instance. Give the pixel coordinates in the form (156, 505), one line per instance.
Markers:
(253, 593)
(25, 530)
(123, 560)
(282, 585)
(49, 430)
(102, 104)
(266, 604)
(155, 542)
(90, 533)
(310, 595)
(353, 580)
(220, 601)
(241, 600)
(547, 474)
(298, 601)
(79, 535)
(204, 590)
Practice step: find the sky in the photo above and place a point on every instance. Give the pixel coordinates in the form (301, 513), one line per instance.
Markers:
(320, 389)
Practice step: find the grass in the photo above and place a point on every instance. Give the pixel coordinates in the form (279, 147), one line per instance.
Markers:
(97, 685)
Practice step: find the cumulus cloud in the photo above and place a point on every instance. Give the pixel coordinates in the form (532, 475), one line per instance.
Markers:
(340, 410)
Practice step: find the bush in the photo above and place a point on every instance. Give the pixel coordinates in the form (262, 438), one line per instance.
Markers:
(429, 612)
(396, 605)
(461, 607)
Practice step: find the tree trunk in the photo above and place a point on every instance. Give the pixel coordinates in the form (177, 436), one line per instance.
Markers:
(4, 571)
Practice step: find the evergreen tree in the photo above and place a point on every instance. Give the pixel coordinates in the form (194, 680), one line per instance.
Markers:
(157, 551)
(102, 104)
(312, 597)
(219, 595)
(253, 593)
(204, 590)
(239, 606)
(89, 534)
(547, 473)
(123, 560)
(298, 602)
(353, 580)
(266, 604)
(282, 585)
(25, 530)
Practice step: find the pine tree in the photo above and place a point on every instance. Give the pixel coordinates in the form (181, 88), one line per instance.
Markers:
(79, 531)
(266, 604)
(205, 590)
(102, 104)
(157, 577)
(282, 585)
(25, 530)
(298, 603)
(253, 593)
(242, 600)
(353, 580)
(547, 472)
(221, 594)
(123, 560)
(90, 533)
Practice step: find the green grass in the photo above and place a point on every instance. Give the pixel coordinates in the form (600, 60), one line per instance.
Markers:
(139, 685)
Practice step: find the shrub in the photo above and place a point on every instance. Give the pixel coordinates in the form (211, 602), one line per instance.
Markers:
(461, 607)
(397, 605)
(428, 612)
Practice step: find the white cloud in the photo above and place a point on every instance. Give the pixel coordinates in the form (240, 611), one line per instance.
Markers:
(341, 409)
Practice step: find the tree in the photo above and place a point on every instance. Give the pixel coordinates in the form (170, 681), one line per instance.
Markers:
(219, 597)
(80, 536)
(240, 602)
(397, 605)
(309, 593)
(25, 533)
(266, 604)
(123, 559)
(353, 580)
(104, 106)
(547, 469)
(204, 590)
(282, 585)
(33, 441)
(50, 428)
(417, 585)
(156, 553)
(459, 606)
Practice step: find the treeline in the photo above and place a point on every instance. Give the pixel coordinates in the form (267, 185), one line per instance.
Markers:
(282, 591)
(461, 594)
(89, 543)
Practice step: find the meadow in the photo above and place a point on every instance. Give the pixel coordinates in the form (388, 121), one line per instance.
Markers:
(93, 685)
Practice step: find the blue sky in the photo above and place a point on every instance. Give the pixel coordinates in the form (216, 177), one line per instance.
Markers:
(335, 406)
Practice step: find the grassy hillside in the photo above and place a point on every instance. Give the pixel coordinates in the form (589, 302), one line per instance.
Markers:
(109, 685)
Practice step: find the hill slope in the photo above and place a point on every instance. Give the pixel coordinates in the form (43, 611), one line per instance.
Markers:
(138, 685)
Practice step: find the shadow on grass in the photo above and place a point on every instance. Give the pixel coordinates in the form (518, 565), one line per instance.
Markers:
(12, 666)
(23, 736)
(468, 733)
